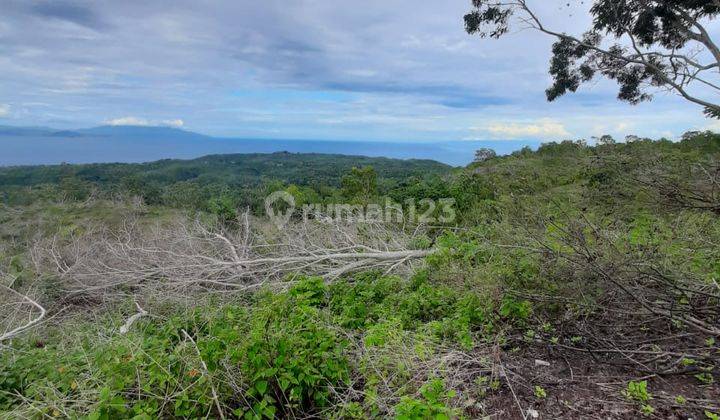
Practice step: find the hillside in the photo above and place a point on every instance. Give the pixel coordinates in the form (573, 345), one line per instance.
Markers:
(575, 282)
(199, 180)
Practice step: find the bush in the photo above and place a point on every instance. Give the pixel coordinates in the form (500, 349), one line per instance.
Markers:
(432, 405)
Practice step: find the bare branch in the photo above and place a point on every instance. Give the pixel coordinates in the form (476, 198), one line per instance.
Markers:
(33, 322)
(130, 321)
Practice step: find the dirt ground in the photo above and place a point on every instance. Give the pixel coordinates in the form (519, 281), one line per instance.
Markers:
(580, 387)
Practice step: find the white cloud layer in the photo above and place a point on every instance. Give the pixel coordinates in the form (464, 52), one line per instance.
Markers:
(128, 121)
(143, 122)
(4, 110)
(544, 129)
(177, 123)
(712, 125)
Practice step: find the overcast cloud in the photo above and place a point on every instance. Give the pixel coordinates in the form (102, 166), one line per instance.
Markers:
(320, 69)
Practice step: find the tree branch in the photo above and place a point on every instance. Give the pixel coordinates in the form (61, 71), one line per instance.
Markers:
(19, 330)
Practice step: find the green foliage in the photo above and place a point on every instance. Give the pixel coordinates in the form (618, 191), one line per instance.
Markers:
(512, 308)
(199, 183)
(224, 208)
(360, 184)
(469, 189)
(654, 27)
(637, 391)
(284, 350)
(418, 305)
(705, 377)
(291, 357)
(287, 355)
(432, 405)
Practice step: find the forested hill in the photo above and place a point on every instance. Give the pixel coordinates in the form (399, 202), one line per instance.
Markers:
(614, 178)
(297, 168)
(200, 179)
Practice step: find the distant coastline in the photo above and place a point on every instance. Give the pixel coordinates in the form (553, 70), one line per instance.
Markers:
(130, 144)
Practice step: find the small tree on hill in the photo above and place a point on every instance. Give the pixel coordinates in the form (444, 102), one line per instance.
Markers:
(689, 135)
(481, 155)
(605, 140)
(360, 183)
(643, 45)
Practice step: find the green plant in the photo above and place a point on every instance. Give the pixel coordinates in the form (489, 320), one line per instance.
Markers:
(637, 391)
(647, 409)
(224, 207)
(540, 392)
(310, 291)
(514, 309)
(291, 357)
(705, 377)
(432, 405)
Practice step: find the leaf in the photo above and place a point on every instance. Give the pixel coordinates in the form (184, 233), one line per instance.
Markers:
(261, 387)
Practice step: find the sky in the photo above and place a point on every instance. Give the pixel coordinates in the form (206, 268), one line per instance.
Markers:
(400, 70)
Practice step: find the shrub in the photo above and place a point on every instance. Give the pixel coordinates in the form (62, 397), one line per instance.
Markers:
(432, 405)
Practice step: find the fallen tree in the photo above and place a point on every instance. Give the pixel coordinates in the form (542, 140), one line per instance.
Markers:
(192, 254)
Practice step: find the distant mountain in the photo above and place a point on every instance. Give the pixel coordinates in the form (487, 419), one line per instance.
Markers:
(128, 131)
(6, 130)
(133, 144)
(66, 133)
(135, 131)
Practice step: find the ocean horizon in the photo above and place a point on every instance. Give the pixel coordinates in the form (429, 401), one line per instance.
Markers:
(146, 145)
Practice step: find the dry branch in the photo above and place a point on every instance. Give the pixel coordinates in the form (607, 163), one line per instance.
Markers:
(19, 330)
(130, 321)
(173, 260)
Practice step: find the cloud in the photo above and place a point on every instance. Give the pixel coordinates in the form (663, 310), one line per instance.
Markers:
(67, 11)
(128, 121)
(451, 96)
(712, 125)
(173, 123)
(399, 70)
(545, 128)
(135, 121)
(4, 110)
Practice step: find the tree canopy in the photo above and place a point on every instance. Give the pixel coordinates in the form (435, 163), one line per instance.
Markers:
(643, 45)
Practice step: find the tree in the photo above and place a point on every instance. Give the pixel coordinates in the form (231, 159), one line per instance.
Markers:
(360, 183)
(643, 45)
(606, 139)
(481, 155)
(689, 135)
(224, 208)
